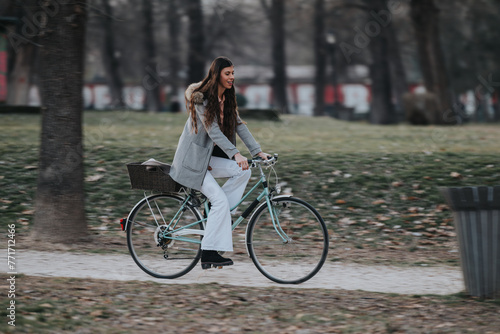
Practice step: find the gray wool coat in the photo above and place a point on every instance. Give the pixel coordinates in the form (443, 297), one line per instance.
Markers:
(195, 149)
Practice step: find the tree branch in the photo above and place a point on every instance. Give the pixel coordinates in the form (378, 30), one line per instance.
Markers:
(267, 8)
(345, 5)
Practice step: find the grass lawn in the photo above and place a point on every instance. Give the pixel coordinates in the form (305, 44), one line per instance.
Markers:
(376, 186)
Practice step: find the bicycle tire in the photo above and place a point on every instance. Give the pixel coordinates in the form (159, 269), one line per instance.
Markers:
(157, 256)
(302, 256)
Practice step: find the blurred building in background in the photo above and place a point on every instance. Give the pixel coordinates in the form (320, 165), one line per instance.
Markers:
(252, 83)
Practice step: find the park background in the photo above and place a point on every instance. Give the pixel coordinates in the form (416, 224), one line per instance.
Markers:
(407, 105)
(346, 59)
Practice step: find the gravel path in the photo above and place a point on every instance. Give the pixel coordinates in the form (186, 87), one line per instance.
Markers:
(387, 279)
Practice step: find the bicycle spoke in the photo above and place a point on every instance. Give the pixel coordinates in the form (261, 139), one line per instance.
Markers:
(155, 253)
(298, 259)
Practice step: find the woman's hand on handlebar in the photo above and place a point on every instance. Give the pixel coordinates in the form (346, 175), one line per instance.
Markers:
(263, 155)
(241, 161)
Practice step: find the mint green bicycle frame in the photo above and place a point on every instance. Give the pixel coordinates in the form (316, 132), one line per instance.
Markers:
(179, 234)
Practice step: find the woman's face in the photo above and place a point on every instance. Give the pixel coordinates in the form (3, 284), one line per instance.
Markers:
(227, 77)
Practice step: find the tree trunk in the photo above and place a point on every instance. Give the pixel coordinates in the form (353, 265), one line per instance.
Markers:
(496, 115)
(382, 109)
(398, 74)
(320, 58)
(425, 17)
(151, 80)
(196, 42)
(111, 58)
(279, 82)
(174, 58)
(59, 204)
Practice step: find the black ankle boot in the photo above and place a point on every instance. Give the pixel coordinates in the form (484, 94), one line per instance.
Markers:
(211, 258)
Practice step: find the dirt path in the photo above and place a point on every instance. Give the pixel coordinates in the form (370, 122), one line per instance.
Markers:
(388, 279)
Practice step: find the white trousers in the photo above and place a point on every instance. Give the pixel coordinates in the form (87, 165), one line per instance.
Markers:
(218, 234)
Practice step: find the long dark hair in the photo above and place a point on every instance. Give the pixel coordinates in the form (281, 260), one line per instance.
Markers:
(209, 87)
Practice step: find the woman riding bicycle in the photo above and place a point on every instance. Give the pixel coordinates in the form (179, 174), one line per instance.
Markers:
(207, 150)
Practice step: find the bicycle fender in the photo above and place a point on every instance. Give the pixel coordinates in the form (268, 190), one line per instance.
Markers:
(129, 214)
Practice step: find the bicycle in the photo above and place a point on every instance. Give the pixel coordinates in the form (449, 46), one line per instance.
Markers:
(286, 238)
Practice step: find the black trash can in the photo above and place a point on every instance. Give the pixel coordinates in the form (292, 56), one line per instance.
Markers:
(476, 213)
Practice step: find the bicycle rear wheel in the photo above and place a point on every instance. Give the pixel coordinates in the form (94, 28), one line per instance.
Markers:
(292, 252)
(154, 253)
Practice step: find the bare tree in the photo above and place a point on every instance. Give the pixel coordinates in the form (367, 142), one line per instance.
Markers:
(276, 15)
(425, 16)
(152, 80)
(174, 26)
(398, 74)
(278, 53)
(382, 109)
(320, 57)
(196, 41)
(59, 204)
(111, 57)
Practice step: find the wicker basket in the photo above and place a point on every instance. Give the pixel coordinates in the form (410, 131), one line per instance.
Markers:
(148, 177)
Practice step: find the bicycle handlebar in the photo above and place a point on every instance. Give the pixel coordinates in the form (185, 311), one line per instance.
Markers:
(271, 160)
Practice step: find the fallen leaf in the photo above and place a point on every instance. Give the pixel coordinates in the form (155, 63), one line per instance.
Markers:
(347, 221)
(442, 207)
(427, 242)
(456, 175)
(93, 178)
(96, 313)
(445, 324)
(47, 305)
(379, 201)
(340, 201)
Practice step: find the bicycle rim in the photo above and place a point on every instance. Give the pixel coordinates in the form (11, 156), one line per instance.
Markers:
(156, 255)
(301, 256)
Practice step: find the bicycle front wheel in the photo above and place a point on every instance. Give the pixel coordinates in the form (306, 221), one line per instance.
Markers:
(152, 239)
(293, 248)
